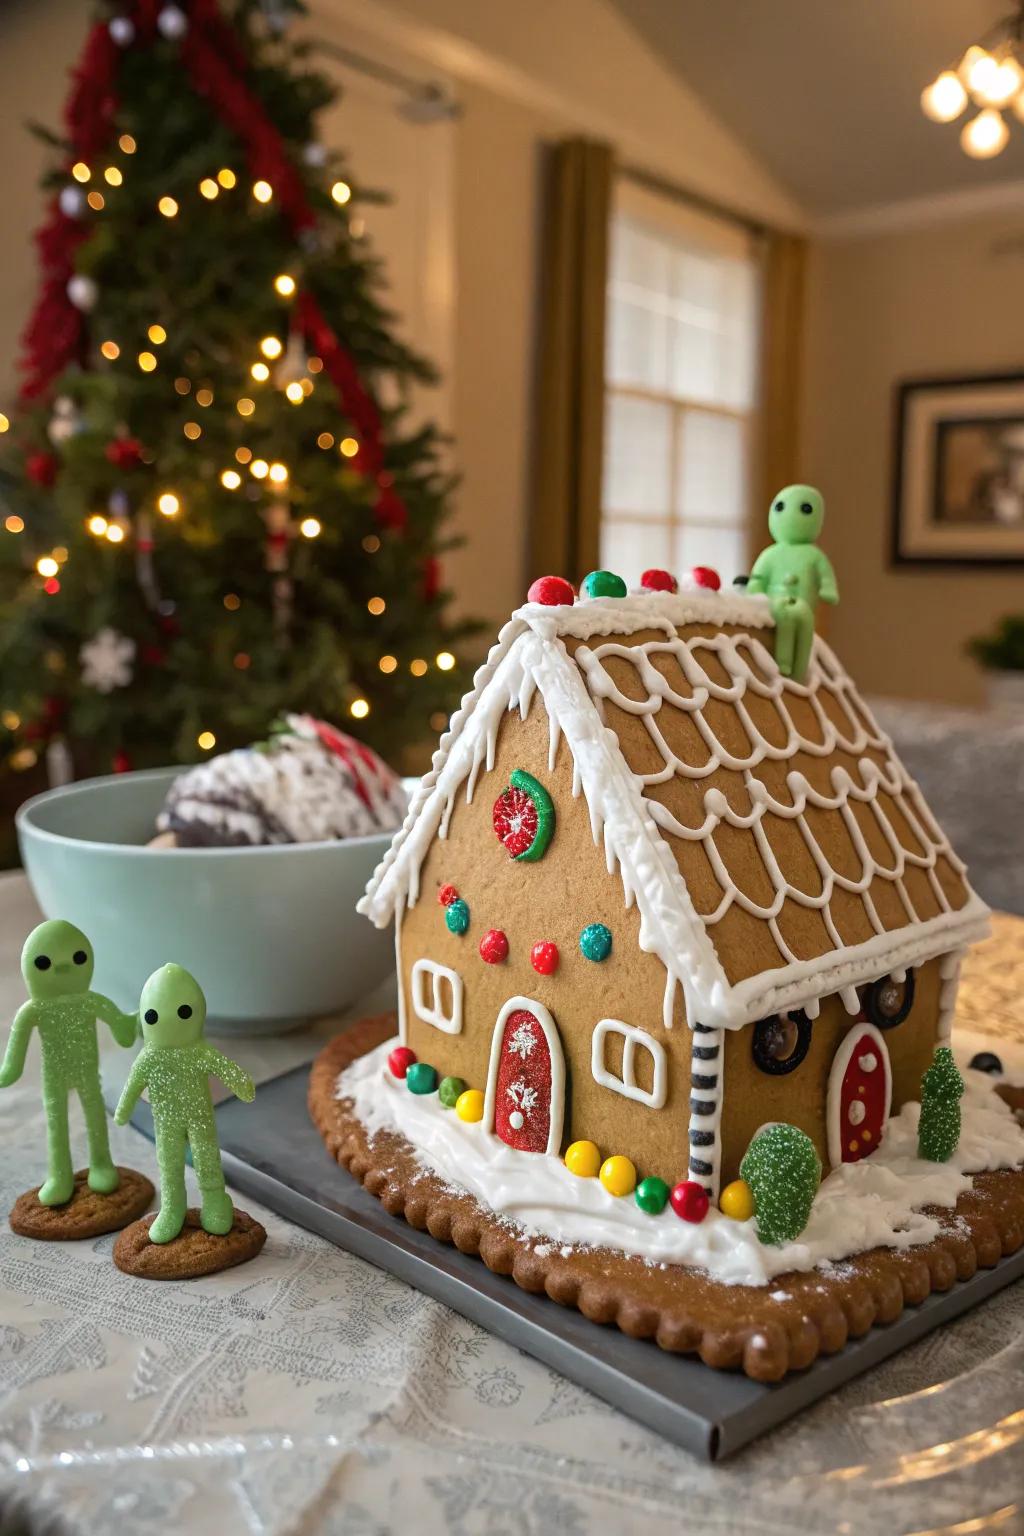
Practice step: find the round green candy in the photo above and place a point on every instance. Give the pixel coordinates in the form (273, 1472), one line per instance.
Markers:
(596, 941)
(652, 1195)
(421, 1077)
(456, 916)
(603, 584)
(449, 1091)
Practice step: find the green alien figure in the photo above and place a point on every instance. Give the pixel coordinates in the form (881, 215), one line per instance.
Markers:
(175, 1066)
(795, 574)
(57, 963)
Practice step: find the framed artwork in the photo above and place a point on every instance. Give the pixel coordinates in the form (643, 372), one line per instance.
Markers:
(958, 482)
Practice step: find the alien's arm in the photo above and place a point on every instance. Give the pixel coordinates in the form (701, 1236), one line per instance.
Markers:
(17, 1045)
(123, 1026)
(828, 589)
(132, 1089)
(231, 1075)
(761, 573)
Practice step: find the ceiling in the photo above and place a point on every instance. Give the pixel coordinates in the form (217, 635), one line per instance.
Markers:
(826, 92)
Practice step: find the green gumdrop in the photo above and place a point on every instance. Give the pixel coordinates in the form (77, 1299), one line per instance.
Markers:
(942, 1087)
(596, 941)
(456, 916)
(420, 1077)
(603, 584)
(449, 1091)
(783, 1171)
(652, 1195)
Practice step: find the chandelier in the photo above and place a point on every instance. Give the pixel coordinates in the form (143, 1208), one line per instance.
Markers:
(990, 76)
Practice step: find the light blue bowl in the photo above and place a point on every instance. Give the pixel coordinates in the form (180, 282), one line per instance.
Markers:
(271, 933)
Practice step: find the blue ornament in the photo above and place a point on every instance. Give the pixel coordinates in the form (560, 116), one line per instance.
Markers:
(596, 941)
(456, 916)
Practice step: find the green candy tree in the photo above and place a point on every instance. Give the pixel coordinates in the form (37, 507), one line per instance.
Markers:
(942, 1088)
(783, 1171)
(214, 506)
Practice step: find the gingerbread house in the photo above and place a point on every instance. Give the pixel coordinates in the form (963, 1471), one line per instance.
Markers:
(654, 895)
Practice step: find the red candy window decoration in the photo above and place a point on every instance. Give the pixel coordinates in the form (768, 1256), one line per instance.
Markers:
(544, 958)
(524, 817)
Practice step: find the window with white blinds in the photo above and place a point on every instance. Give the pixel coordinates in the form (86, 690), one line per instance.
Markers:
(683, 300)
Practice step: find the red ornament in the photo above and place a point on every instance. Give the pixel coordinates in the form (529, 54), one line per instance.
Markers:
(704, 576)
(551, 591)
(121, 762)
(124, 452)
(430, 582)
(42, 468)
(51, 586)
(544, 958)
(690, 1201)
(659, 581)
(154, 655)
(447, 894)
(494, 947)
(400, 1060)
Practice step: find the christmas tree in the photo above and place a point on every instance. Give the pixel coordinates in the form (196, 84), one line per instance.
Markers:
(214, 505)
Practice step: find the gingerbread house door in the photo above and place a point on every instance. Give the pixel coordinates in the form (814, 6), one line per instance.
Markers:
(525, 1098)
(859, 1094)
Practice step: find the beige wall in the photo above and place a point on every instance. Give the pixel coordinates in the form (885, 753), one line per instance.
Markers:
(943, 299)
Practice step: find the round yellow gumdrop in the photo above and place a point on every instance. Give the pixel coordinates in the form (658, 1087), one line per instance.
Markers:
(584, 1159)
(737, 1200)
(470, 1105)
(618, 1175)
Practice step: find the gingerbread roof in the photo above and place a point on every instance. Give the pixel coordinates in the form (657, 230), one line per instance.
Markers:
(775, 846)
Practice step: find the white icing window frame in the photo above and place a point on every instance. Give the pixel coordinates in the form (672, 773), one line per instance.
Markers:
(429, 974)
(627, 1085)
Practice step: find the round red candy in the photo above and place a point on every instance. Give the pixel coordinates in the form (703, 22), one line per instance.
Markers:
(690, 1200)
(447, 894)
(544, 958)
(552, 591)
(400, 1060)
(659, 581)
(494, 947)
(704, 576)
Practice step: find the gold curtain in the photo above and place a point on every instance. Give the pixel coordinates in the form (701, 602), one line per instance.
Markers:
(566, 517)
(777, 459)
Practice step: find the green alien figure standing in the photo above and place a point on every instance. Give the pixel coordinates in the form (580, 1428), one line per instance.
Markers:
(57, 964)
(795, 574)
(175, 1066)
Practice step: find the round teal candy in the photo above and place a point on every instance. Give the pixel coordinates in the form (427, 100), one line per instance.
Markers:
(596, 941)
(456, 916)
(603, 584)
(449, 1091)
(651, 1194)
(421, 1078)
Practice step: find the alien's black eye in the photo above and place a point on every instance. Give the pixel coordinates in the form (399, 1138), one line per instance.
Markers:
(184, 1012)
(805, 506)
(151, 1015)
(780, 506)
(42, 962)
(80, 957)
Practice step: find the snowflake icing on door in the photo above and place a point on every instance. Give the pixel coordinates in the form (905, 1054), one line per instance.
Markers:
(523, 1096)
(522, 1039)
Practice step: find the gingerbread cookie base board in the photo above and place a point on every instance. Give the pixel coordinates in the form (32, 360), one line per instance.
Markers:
(279, 1159)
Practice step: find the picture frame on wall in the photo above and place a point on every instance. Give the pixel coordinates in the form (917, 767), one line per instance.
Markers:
(958, 474)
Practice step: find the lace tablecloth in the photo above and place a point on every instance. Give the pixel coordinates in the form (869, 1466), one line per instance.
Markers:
(310, 1393)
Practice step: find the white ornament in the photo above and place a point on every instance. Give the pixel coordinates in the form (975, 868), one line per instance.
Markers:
(107, 660)
(293, 364)
(122, 30)
(172, 22)
(314, 153)
(72, 202)
(65, 421)
(82, 291)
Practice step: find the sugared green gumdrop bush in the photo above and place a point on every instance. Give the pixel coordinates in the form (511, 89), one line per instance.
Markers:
(784, 1171)
(942, 1088)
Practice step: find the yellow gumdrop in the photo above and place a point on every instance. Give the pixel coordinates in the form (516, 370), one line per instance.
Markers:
(584, 1159)
(737, 1200)
(618, 1175)
(470, 1105)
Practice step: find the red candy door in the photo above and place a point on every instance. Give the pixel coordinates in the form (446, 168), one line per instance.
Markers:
(525, 1083)
(859, 1095)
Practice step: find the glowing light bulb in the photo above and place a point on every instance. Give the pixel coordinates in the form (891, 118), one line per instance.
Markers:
(371, 543)
(206, 740)
(349, 447)
(227, 177)
(115, 534)
(1001, 83)
(60, 554)
(284, 284)
(97, 525)
(46, 565)
(359, 709)
(14, 523)
(985, 135)
(271, 346)
(294, 392)
(168, 207)
(944, 99)
(262, 191)
(325, 440)
(278, 473)
(209, 188)
(4, 423)
(80, 171)
(243, 455)
(445, 660)
(157, 334)
(232, 602)
(259, 468)
(192, 430)
(388, 663)
(230, 479)
(168, 504)
(147, 361)
(127, 144)
(204, 397)
(315, 364)
(417, 667)
(260, 372)
(245, 407)
(10, 720)
(96, 201)
(243, 660)
(110, 350)
(309, 527)
(182, 385)
(341, 192)
(307, 386)
(112, 176)
(376, 605)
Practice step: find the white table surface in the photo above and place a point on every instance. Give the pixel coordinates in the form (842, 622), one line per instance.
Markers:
(308, 1392)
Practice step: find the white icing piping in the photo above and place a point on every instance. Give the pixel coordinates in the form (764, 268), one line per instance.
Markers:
(949, 982)
(707, 1069)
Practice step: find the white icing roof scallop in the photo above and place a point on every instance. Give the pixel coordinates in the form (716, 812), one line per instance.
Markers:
(775, 846)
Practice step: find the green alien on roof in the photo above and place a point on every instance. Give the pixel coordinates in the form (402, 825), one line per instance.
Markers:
(795, 574)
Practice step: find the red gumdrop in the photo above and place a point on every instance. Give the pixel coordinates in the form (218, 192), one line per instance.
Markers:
(551, 591)
(447, 894)
(659, 581)
(494, 946)
(544, 958)
(690, 1200)
(704, 576)
(400, 1060)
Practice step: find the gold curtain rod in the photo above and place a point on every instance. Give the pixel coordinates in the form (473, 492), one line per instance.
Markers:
(678, 194)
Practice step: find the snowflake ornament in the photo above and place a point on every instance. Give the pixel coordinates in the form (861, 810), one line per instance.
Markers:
(107, 661)
(522, 1040)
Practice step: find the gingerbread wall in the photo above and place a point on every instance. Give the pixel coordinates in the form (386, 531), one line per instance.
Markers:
(552, 899)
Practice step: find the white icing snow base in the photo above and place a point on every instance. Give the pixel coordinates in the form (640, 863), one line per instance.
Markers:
(873, 1203)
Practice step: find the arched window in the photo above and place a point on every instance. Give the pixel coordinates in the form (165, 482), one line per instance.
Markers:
(624, 1080)
(437, 996)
